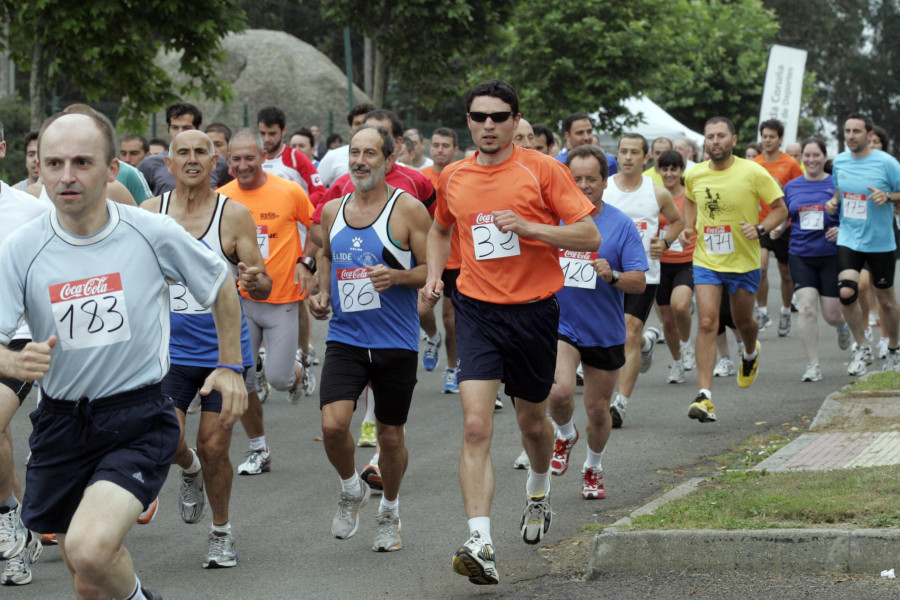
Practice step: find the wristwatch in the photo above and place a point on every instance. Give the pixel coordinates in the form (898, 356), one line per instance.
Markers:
(309, 262)
(615, 277)
(760, 230)
(667, 243)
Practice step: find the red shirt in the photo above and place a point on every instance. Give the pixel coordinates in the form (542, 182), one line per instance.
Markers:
(404, 178)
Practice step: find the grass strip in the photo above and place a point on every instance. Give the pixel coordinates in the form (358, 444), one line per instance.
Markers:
(860, 497)
(876, 382)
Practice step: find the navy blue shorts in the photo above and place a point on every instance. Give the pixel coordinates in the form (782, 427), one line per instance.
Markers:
(392, 371)
(819, 272)
(605, 358)
(182, 383)
(128, 439)
(449, 277)
(515, 343)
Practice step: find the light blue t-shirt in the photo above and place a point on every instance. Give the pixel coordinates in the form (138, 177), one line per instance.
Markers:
(866, 227)
(105, 296)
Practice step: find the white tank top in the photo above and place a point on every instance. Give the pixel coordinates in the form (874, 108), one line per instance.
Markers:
(642, 208)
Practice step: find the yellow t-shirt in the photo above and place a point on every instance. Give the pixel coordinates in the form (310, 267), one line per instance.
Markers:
(655, 175)
(724, 199)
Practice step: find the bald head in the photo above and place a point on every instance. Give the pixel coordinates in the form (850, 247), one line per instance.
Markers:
(191, 137)
(524, 135)
(89, 118)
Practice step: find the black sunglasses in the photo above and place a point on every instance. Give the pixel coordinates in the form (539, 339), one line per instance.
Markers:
(497, 117)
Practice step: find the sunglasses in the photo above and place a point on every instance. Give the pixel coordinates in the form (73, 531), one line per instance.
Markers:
(497, 117)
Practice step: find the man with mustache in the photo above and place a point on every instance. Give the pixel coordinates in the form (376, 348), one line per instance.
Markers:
(373, 261)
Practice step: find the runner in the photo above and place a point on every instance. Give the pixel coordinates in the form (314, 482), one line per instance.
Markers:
(506, 203)
(592, 322)
(373, 261)
(723, 196)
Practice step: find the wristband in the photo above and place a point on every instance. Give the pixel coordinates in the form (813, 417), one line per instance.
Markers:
(236, 368)
(667, 243)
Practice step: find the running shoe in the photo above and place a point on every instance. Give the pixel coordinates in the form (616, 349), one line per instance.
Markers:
(346, 520)
(562, 449)
(868, 335)
(475, 560)
(873, 319)
(498, 402)
(305, 385)
(813, 372)
(387, 539)
(311, 353)
(891, 361)
(150, 594)
(749, 368)
(844, 337)
(367, 435)
(764, 320)
(194, 406)
(49, 539)
(149, 514)
(18, 567)
(702, 409)
(222, 553)
(258, 461)
(192, 499)
(882, 347)
(725, 367)
(262, 384)
(522, 462)
(13, 533)
(857, 366)
(617, 411)
(676, 371)
(372, 476)
(431, 355)
(688, 358)
(592, 484)
(651, 335)
(309, 381)
(536, 518)
(451, 386)
(784, 325)
(579, 375)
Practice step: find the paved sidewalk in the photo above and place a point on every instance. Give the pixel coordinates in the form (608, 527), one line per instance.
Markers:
(851, 429)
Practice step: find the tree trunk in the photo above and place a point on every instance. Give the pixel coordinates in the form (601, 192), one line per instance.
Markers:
(36, 84)
(379, 79)
(368, 64)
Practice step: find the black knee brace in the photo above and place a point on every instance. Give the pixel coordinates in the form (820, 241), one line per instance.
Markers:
(853, 285)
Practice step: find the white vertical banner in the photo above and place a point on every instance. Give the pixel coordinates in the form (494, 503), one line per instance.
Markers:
(783, 89)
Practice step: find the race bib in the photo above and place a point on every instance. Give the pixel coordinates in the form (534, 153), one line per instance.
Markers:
(355, 290)
(718, 240)
(90, 312)
(676, 245)
(812, 217)
(262, 238)
(641, 229)
(488, 241)
(181, 301)
(855, 206)
(577, 269)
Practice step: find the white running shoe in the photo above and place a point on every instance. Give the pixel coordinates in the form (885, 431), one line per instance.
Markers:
(191, 499)
(891, 361)
(844, 337)
(617, 411)
(18, 567)
(522, 462)
(651, 335)
(784, 324)
(764, 321)
(882, 347)
(222, 553)
(688, 358)
(194, 406)
(857, 366)
(812, 373)
(346, 520)
(388, 537)
(258, 461)
(13, 534)
(676, 371)
(536, 518)
(725, 367)
(475, 560)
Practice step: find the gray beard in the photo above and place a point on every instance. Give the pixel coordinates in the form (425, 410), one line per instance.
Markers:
(368, 184)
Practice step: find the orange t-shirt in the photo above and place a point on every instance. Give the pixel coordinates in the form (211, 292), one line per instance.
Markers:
(453, 261)
(675, 253)
(502, 267)
(782, 169)
(277, 206)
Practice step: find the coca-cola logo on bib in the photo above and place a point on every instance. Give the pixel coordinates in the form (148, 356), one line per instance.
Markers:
(481, 218)
(347, 274)
(83, 288)
(577, 255)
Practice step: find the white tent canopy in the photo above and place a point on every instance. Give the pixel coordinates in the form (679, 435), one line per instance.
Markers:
(655, 123)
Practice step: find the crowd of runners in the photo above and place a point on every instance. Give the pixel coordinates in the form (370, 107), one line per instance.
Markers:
(181, 280)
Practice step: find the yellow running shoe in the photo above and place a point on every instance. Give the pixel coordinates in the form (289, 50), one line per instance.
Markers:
(747, 373)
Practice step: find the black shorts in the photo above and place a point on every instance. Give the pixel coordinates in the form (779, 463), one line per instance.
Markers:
(881, 265)
(671, 275)
(725, 319)
(640, 305)
(182, 383)
(129, 439)
(347, 369)
(599, 357)
(779, 246)
(449, 277)
(819, 272)
(515, 343)
(20, 388)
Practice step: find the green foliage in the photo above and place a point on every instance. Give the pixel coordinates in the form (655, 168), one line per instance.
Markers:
(107, 48)
(14, 116)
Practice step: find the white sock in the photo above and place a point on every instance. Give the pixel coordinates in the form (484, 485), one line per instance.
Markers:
(750, 356)
(137, 593)
(685, 344)
(258, 443)
(436, 339)
(706, 393)
(593, 460)
(391, 506)
(785, 310)
(221, 529)
(10, 502)
(567, 430)
(537, 484)
(483, 526)
(622, 399)
(351, 485)
(195, 463)
(764, 310)
(647, 344)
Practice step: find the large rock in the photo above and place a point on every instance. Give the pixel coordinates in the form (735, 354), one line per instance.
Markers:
(274, 68)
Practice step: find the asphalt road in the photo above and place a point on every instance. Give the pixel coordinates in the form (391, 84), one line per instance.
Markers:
(282, 519)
